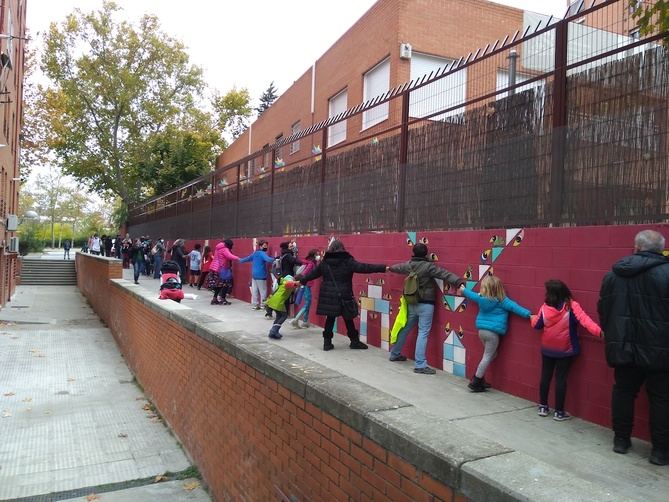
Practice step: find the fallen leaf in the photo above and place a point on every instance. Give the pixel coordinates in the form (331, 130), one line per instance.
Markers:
(28, 400)
(92, 496)
(6, 413)
(147, 407)
(191, 485)
(122, 435)
(156, 420)
(160, 478)
(9, 394)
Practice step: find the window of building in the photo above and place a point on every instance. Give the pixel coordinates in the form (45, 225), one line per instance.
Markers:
(336, 105)
(445, 93)
(635, 34)
(295, 145)
(375, 83)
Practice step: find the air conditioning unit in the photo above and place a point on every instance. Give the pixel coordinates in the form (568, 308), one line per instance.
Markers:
(12, 223)
(405, 50)
(13, 244)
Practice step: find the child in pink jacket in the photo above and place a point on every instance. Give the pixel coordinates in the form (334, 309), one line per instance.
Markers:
(559, 317)
(220, 272)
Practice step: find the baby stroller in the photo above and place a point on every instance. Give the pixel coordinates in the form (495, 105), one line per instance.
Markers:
(170, 282)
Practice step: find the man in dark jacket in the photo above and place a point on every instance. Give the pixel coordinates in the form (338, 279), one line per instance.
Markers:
(421, 312)
(336, 294)
(634, 315)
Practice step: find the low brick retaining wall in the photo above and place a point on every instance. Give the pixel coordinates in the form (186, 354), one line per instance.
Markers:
(262, 423)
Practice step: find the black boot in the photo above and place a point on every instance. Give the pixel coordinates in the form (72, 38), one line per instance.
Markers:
(476, 385)
(484, 383)
(327, 341)
(355, 341)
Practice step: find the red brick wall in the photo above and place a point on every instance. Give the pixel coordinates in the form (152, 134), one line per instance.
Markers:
(93, 276)
(579, 256)
(251, 438)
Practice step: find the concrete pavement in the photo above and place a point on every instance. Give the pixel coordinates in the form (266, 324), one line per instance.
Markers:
(577, 449)
(72, 420)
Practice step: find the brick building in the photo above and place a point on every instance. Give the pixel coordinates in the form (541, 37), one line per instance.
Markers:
(12, 45)
(373, 57)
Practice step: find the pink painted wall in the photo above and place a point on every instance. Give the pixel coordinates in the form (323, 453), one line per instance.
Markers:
(579, 256)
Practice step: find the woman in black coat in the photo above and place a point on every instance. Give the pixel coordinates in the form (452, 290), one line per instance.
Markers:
(336, 296)
(179, 256)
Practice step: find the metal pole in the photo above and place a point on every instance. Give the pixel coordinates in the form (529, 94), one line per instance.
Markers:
(271, 192)
(239, 175)
(324, 142)
(559, 122)
(404, 154)
(513, 62)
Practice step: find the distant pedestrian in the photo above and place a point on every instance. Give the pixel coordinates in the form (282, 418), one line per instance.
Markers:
(491, 321)
(207, 258)
(158, 253)
(310, 262)
(179, 256)
(107, 243)
(126, 246)
(195, 262)
(137, 258)
(260, 260)
(220, 272)
(421, 309)
(66, 250)
(336, 296)
(95, 245)
(634, 312)
(559, 317)
(279, 303)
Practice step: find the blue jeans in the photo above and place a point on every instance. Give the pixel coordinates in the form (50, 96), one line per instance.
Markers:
(138, 268)
(157, 263)
(304, 311)
(420, 313)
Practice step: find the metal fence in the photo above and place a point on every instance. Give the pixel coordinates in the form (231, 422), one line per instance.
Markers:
(562, 124)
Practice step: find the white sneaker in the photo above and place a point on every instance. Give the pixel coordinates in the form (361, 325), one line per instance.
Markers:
(306, 325)
(295, 324)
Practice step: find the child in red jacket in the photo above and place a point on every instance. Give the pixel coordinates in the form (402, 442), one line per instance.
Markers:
(559, 317)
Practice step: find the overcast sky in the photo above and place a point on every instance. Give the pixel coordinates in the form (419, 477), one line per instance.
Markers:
(247, 43)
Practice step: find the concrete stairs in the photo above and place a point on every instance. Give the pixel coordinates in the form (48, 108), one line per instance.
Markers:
(40, 272)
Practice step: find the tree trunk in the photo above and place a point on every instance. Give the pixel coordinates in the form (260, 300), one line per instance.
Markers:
(53, 231)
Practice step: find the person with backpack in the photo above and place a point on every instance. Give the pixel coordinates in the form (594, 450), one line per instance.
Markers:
(158, 252)
(420, 294)
(66, 250)
(259, 259)
(336, 296)
(220, 272)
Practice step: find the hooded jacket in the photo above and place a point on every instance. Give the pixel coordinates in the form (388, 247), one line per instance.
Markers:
(560, 337)
(277, 300)
(634, 312)
(222, 258)
(427, 272)
(494, 314)
(337, 270)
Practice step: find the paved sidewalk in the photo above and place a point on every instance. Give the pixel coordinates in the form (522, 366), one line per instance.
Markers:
(579, 448)
(71, 417)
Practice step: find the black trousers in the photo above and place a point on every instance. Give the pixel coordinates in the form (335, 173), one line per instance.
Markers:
(560, 366)
(628, 381)
(350, 328)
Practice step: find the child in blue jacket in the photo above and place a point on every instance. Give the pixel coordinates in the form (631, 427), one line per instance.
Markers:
(491, 321)
(260, 259)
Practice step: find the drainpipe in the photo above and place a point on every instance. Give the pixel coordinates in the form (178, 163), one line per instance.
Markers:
(513, 62)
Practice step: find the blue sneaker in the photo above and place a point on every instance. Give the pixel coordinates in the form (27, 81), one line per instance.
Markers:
(561, 416)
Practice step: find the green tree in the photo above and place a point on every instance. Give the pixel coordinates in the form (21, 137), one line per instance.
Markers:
(180, 153)
(114, 85)
(233, 110)
(651, 17)
(267, 98)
